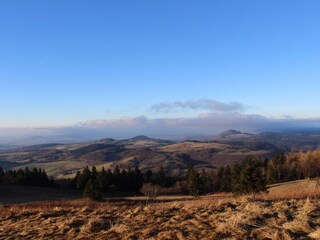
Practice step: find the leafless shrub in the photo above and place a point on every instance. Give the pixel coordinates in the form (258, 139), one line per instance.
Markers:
(152, 190)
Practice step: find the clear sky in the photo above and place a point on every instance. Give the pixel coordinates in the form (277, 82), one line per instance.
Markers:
(65, 62)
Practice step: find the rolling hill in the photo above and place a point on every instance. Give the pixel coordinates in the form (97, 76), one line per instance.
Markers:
(63, 160)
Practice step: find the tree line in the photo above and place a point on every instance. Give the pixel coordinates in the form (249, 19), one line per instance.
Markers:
(93, 183)
(249, 176)
(293, 166)
(253, 174)
(27, 177)
(242, 178)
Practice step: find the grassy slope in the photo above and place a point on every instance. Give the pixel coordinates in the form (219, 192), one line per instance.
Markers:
(276, 215)
(295, 189)
(202, 218)
(59, 169)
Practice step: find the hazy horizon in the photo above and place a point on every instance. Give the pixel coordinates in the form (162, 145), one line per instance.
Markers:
(179, 68)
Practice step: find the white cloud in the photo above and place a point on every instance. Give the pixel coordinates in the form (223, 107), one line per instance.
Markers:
(201, 104)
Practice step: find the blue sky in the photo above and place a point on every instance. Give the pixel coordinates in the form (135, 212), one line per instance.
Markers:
(69, 62)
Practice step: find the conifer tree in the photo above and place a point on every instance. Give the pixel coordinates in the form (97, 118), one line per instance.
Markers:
(94, 172)
(103, 180)
(92, 191)
(1, 175)
(161, 178)
(207, 184)
(226, 180)
(75, 180)
(138, 179)
(219, 178)
(83, 178)
(252, 179)
(235, 178)
(194, 183)
(149, 176)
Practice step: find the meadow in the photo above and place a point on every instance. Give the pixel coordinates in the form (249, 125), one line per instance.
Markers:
(276, 215)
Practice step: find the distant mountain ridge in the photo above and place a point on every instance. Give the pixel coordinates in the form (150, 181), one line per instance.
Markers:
(140, 137)
(299, 139)
(229, 132)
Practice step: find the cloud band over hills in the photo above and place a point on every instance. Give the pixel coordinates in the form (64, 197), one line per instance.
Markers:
(201, 104)
(205, 123)
(215, 117)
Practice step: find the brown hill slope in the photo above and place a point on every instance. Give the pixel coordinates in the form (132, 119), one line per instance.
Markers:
(64, 160)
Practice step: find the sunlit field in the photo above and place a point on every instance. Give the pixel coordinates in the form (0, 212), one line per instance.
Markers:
(277, 215)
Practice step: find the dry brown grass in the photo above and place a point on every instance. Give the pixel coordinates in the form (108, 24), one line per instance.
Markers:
(289, 211)
(210, 217)
(292, 190)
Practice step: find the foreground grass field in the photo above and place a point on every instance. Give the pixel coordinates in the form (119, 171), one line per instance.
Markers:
(289, 211)
(202, 218)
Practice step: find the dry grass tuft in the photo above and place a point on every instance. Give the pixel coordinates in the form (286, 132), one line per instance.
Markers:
(315, 234)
